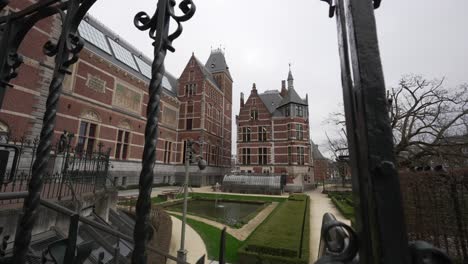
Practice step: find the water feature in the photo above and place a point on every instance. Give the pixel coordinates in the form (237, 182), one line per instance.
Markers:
(229, 212)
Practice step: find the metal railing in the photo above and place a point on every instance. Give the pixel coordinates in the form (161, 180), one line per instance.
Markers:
(75, 218)
(71, 172)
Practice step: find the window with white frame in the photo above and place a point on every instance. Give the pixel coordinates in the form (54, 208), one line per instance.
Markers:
(87, 137)
(262, 156)
(122, 145)
(299, 132)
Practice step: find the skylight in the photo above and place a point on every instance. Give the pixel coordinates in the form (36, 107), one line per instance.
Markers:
(94, 36)
(145, 68)
(122, 54)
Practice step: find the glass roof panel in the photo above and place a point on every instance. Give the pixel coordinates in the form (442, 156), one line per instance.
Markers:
(145, 68)
(122, 54)
(93, 36)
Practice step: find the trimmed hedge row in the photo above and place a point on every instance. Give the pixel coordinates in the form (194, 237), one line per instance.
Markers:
(251, 257)
(344, 203)
(282, 252)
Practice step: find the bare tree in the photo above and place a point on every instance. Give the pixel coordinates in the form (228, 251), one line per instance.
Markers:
(429, 122)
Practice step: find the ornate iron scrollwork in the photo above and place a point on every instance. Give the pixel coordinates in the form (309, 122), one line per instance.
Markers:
(346, 252)
(66, 51)
(158, 26)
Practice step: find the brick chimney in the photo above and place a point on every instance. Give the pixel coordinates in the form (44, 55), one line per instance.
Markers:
(242, 100)
(284, 91)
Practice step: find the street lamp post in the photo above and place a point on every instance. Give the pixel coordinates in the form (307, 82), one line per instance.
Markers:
(182, 252)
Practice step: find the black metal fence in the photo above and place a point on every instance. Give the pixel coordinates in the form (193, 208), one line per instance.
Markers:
(436, 209)
(70, 171)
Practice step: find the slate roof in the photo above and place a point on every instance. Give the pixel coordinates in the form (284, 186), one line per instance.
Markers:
(217, 63)
(316, 154)
(98, 39)
(292, 97)
(271, 99)
(207, 73)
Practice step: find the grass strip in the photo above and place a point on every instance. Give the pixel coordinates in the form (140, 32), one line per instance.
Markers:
(277, 239)
(211, 237)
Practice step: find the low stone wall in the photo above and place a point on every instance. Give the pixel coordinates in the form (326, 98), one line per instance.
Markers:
(162, 226)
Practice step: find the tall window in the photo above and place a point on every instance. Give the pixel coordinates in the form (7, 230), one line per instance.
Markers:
(213, 155)
(189, 124)
(286, 111)
(254, 114)
(167, 152)
(289, 131)
(262, 133)
(299, 110)
(121, 149)
(262, 156)
(246, 134)
(289, 155)
(87, 137)
(208, 109)
(245, 156)
(191, 75)
(190, 89)
(300, 155)
(299, 131)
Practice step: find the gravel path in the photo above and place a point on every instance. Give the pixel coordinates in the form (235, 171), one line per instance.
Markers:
(319, 205)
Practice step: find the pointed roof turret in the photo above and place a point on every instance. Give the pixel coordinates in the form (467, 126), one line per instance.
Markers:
(290, 78)
(292, 97)
(217, 63)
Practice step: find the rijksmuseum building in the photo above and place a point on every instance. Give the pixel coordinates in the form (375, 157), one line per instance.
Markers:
(104, 102)
(273, 137)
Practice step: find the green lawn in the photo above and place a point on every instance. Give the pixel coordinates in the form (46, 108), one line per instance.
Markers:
(278, 238)
(211, 237)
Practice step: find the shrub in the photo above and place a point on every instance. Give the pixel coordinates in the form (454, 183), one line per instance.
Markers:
(282, 252)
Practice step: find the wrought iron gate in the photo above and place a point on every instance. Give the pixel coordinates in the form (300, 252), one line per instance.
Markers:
(380, 225)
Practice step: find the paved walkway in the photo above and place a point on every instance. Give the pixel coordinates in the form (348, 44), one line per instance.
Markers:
(193, 242)
(319, 205)
(239, 233)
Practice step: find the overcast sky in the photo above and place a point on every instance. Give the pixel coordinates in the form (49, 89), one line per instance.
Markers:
(261, 37)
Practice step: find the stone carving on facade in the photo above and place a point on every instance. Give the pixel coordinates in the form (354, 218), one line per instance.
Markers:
(125, 124)
(91, 115)
(127, 98)
(95, 83)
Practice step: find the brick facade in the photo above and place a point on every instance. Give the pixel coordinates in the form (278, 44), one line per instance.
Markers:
(273, 136)
(104, 101)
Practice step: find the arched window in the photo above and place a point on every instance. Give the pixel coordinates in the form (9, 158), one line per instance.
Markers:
(88, 131)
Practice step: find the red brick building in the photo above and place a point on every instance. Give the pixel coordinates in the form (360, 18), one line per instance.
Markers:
(321, 167)
(273, 135)
(104, 101)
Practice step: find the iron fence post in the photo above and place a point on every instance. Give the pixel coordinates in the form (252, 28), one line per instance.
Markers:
(72, 237)
(158, 26)
(222, 246)
(379, 211)
(66, 53)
